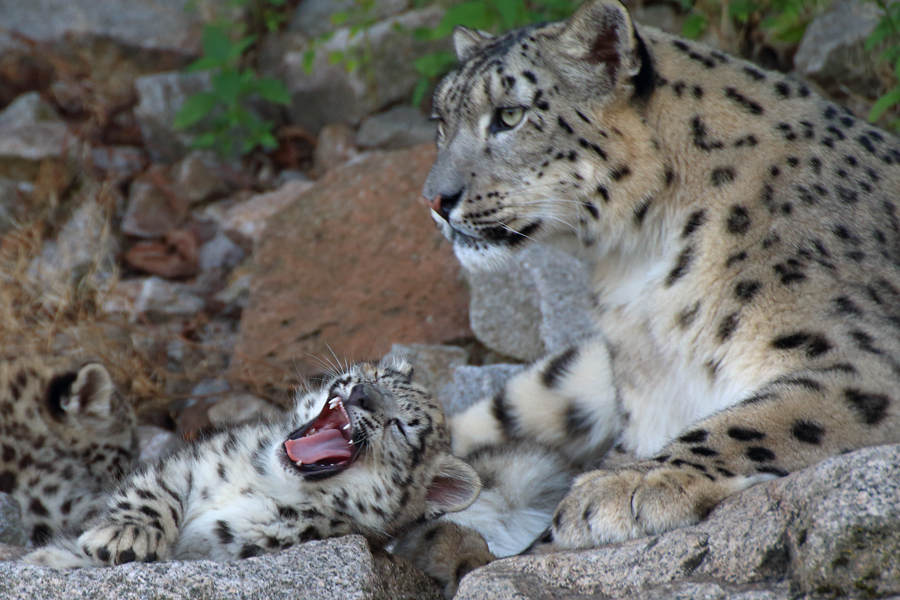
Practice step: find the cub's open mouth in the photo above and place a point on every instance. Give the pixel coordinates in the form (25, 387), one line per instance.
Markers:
(324, 446)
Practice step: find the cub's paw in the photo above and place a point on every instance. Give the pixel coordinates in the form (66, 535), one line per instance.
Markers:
(119, 544)
(612, 506)
(57, 556)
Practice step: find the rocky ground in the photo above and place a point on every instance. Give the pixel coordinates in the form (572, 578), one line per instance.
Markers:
(211, 287)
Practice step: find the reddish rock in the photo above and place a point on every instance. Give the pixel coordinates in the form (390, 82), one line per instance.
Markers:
(352, 266)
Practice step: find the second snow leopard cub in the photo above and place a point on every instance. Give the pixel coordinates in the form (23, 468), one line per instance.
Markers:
(368, 453)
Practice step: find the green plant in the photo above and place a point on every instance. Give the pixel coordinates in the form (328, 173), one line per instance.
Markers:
(229, 126)
(487, 15)
(360, 18)
(887, 31)
(782, 20)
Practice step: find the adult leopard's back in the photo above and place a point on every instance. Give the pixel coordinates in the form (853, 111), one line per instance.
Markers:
(745, 245)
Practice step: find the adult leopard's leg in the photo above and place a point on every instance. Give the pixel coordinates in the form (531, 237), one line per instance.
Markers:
(793, 422)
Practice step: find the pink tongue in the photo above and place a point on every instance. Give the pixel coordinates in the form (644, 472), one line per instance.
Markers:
(318, 446)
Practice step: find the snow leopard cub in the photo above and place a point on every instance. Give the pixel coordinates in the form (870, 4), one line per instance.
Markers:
(368, 453)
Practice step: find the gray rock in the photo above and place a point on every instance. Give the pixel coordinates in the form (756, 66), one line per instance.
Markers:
(23, 146)
(160, 97)
(336, 145)
(832, 51)
(12, 532)
(336, 569)
(118, 163)
(198, 177)
(146, 24)
(156, 442)
(832, 529)
(220, 253)
(236, 408)
(160, 300)
(433, 365)
(247, 220)
(541, 303)
(29, 108)
(313, 17)
(150, 213)
(329, 94)
(84, 248)
(471, 384)
(13, 201)
(400, 127)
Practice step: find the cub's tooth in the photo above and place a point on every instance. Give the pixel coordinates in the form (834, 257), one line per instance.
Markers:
(299, 463)
(347, 426)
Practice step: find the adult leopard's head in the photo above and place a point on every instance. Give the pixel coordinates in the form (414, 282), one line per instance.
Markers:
(541, 135)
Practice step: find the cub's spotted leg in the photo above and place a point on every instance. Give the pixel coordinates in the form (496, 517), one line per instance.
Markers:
(567, 401)
(790, 424)
(141, 524)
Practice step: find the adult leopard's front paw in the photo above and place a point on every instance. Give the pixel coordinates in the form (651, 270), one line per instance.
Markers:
(613, 506)
(120, 544)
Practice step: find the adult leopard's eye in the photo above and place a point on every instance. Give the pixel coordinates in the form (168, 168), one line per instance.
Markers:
(507, 118)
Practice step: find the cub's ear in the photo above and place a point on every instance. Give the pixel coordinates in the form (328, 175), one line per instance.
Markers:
(86, 391)
(454, 486)
(601, 33)
(468, 41)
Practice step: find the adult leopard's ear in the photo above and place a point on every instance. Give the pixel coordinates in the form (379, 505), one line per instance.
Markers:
(454, 486)
(601, 33)
(468, 41)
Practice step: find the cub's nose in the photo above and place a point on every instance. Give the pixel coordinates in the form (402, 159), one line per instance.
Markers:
(365, 396)
(442, 204)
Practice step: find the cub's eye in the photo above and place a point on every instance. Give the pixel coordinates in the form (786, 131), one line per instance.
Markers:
(506, 118)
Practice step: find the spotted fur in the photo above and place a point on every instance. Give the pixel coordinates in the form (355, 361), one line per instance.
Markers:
(238, 494)
(745, 244)
(65, 438)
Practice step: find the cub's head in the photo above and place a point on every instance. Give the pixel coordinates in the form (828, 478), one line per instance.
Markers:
(377, 447)
(540, 135)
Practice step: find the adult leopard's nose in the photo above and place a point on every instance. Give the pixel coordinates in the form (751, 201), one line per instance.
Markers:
(442, 204)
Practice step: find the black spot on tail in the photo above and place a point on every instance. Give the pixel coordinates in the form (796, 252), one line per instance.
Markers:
(223, 532)
(743, 434)
(872, 408)
(807, 432)
(696, 436)
(557, 367)
(501, 411)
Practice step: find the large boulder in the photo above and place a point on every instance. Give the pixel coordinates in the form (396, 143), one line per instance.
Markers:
(336, 569)
(832, 530)
(350, 267)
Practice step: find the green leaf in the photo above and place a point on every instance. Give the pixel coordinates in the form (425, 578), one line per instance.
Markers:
(205, 140)
(238, 48)
(309, 58)
(227, 86)
(216, 43)
(268, 141)
(509, 12)
(423, 34)
(419, 91)
(881, 31)
(471, 14)
(335, 56)
(434, 64)
(194, 108)
(884, 103)
(204, 63)
(273, 90)
(742, 10)
(339, 18)
(694, 26)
